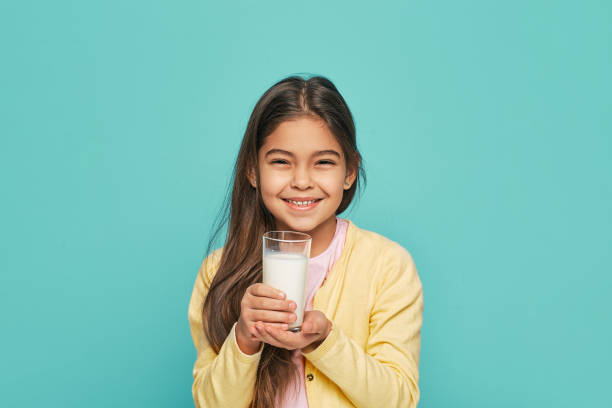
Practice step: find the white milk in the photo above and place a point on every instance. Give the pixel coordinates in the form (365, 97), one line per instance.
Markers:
(287, 272)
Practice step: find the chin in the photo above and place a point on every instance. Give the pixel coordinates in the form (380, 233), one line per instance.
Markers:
(305, 227)
(299, 225)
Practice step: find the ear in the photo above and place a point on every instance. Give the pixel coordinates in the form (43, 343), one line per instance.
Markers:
(351, 175)
(252, 177)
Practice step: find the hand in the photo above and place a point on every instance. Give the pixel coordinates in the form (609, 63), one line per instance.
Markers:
(315, 329)
(265, 305)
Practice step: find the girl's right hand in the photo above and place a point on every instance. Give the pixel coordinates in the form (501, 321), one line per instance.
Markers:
(262, 303)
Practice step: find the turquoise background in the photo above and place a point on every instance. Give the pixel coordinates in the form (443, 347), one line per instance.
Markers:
(486, 129)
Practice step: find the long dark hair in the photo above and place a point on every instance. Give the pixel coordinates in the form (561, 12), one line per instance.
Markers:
(240, 263)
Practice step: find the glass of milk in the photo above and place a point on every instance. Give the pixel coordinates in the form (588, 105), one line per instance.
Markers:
(285, 267)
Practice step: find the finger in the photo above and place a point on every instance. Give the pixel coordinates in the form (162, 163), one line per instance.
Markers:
(315, 322)
(281, 338)
(307, 327)
(263, 290)
(278, 338)
(271, 316)
(314, 327)
(259, 336)
(279, 326)
(264, 303)
(263, 335)
(253, 335)
(290, 340)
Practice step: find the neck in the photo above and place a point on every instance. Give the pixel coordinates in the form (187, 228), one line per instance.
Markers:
(322, 236)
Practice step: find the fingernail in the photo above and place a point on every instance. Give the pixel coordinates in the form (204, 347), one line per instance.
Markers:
(281, 294)
(285, 326)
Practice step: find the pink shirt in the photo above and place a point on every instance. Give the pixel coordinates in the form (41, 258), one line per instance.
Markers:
(318, 267)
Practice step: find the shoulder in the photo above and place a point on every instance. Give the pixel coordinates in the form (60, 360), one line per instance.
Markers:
(209, 266)
(201, 286)
(377, 246)
(382, 258)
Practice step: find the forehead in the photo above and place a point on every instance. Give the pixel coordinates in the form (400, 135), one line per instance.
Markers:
(301, 136)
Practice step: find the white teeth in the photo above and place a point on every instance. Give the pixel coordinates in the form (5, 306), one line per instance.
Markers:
(301, 203)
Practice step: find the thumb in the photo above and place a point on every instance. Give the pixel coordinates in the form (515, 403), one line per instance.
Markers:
(307, 327)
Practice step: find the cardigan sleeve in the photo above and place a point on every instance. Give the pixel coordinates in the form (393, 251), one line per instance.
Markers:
(226, 379)
(386, 373)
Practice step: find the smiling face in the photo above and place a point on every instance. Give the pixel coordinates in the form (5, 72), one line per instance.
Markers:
(303, 175)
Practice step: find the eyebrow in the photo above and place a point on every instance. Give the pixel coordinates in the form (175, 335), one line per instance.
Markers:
(319, 153)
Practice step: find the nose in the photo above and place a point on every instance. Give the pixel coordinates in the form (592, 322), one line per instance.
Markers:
(301, 178)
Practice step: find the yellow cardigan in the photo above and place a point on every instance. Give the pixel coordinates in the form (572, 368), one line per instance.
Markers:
(374, 298)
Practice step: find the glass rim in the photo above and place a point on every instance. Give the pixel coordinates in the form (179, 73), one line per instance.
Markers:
(306, 238)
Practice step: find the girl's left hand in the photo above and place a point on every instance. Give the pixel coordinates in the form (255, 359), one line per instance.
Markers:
(315, 328)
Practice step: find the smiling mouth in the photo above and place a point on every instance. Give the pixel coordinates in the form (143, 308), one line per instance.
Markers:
(302, 204)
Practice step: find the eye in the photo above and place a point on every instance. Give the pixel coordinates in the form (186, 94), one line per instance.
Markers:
(279, 161)
(326, 162)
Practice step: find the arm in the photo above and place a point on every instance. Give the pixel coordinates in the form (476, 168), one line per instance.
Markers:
(226, 379)
(386, 372)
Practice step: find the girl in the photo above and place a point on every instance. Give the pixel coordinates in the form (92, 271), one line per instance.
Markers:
(298, 168)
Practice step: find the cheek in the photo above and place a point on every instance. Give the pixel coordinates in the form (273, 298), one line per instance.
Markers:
(334, 187)
(271, 183)
(268, 195)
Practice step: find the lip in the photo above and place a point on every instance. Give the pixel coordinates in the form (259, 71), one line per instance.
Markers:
(309, 198)
(303, 207)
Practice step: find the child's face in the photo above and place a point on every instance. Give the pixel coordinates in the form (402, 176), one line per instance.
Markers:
(303, 174)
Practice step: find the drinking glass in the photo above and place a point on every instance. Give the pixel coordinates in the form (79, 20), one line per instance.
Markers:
(285, 267)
